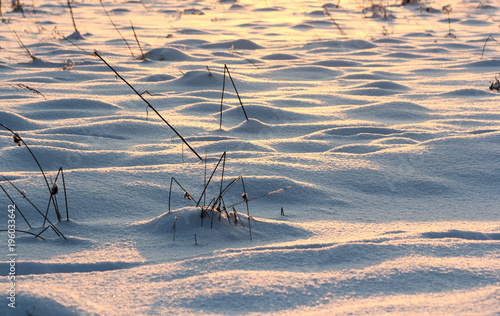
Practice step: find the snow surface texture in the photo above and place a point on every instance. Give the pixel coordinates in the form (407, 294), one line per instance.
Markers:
(389, 137)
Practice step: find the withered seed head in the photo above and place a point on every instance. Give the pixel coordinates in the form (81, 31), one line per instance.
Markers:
(17, 139)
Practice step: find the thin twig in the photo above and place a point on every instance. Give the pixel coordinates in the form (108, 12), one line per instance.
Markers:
(261, 196)
(171, 127)
(245, 199)
(72, 17)
(17, 207)
(58, 232)
(23, 46)
(137, 40)
(209, 179)
(232, 50)
(484, 46)
(23, 231)
(237, 94)
(222, 97)
(334, 22)
(18, 86)
(20, 140)
(67, 39)
(187, 195)
(116, 28)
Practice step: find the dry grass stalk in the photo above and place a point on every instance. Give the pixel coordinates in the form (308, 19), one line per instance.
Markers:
(19, 86)
(24, 47)
(210, 178)
(25, 197)
(14, 203)
(149, 105)
(116, 28)
(137, 40)
(19, 141)
(222, 97)
(187, 195)
(484, 46)
(72, 17)
(334, 22)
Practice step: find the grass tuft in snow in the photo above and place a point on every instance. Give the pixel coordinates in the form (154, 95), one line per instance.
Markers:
(53, 188)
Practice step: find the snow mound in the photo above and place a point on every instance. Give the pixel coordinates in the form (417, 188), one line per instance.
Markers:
(253, 127)
(357, 149)
(214, 227)
(279, 57)
(75, 36)
(265, 114)
(155, 78)
(392, 111)
(302, 73)
(17, 122)
(341, 45)
(199, 78)
(35, 304)
(238, 44)
(459, 234)
(167, 54)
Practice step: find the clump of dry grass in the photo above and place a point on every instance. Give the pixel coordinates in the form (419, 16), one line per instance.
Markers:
(52, 188)
(217, 207)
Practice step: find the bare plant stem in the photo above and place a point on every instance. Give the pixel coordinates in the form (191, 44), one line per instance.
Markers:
(186, 193)
(57, 231)
(39, 166)
(222, 97)
(240, 54)
(23, 46)
(261, 196)
(23, 231)
(72, 16)
(137, 40)
(210, 178)
(150, 106)
(484, 46)
(66, 39)
(42, 231)
(148, 9)
(245, 198)
(116, 28)
(34, 12)
(60, 171)
(18, 86)
(334, 22)
(14, 203)
(17, 6)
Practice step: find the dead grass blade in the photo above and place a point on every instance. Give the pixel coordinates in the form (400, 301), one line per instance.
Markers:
(484, 46)
(149, 105)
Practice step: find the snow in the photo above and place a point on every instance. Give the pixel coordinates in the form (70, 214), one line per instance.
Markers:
(381, 147)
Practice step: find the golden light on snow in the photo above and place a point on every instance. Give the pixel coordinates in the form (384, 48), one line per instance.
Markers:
(250, 157)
